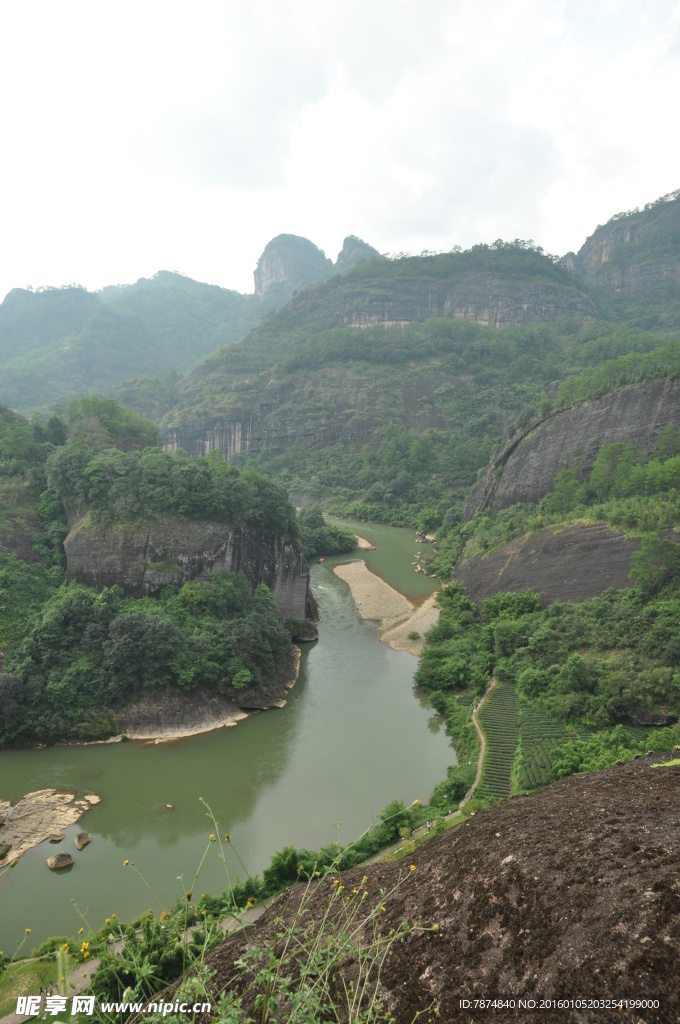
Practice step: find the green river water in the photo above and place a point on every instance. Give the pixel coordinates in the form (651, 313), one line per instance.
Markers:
(354, 734)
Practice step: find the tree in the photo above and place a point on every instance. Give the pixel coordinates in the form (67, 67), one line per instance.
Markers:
(656, 563)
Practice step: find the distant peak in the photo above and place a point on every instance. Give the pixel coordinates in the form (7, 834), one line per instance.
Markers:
(354, 250)
(290, 262)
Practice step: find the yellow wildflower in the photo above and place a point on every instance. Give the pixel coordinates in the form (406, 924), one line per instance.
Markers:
(164, 915)
(227, 837)
(383, 909)
(340, 888)
(413, 867)
(125, 863)
(65, 947)
(213, 837)
(80, 931)
(28, 931)
(188, 895)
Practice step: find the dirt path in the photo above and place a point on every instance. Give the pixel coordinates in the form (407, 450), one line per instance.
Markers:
(482, 747)
(376, 858)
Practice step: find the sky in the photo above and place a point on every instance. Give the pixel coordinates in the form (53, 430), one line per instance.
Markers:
(146, 136)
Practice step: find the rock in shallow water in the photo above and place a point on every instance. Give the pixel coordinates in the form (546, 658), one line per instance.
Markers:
(82, 840)
(59, 861)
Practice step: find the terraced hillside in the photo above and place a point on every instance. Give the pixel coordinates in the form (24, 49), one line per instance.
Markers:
(498, 718)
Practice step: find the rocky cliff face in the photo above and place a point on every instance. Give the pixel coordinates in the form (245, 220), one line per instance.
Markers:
(636, 256)
(290, 261)
(345, 410)
(526, 468)
(353, 251)
(569, 563)
(142, 559)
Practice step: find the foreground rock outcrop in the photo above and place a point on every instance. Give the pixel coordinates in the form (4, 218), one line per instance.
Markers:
(571, 893)
(142, 559)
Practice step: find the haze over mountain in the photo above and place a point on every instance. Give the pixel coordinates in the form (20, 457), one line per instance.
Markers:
(59, 342)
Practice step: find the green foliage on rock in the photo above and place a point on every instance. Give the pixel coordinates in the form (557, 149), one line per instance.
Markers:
(318, 538)
(87, 654)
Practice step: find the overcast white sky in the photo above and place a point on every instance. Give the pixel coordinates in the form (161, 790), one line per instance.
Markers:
(183, 136)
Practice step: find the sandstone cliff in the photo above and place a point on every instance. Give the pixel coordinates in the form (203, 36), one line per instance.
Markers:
(635, 258)
(563, 563)
(142, 559)
(527, 466)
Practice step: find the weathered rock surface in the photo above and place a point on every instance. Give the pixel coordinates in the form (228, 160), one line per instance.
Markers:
(526, 468)
(144, 559)
(59, 861)
(563, 563)
(569, 893)
(38, 816)
(82, 840)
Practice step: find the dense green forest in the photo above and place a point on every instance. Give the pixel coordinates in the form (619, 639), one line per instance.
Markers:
(439, 399)
(318, 538)
(59, 342)
(72, 655)
(589, 676)
(85, 653)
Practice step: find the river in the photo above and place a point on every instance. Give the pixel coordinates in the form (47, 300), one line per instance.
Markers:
(354, 734)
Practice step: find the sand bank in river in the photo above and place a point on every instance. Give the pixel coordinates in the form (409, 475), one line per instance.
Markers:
(364, 544)
(397, 617)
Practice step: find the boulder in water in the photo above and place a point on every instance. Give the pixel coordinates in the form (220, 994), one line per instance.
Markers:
(59, 861)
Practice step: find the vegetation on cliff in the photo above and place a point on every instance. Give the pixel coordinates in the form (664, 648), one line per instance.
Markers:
(72, 655)
(86, 653)
(318, 538)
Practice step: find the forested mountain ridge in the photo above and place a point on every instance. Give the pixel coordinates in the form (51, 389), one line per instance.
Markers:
(60, 342)
(633, 261)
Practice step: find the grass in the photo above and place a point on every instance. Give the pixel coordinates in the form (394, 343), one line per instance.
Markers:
(26, 978)
(498, 719)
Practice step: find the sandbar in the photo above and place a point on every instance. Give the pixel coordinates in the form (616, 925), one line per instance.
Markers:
(396, 617)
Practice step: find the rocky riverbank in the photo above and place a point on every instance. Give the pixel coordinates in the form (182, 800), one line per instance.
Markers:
(173, 715)
(38, 816)
(397, 617)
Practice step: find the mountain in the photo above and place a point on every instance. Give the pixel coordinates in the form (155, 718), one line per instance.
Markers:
(59, 342)
(633, 262)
